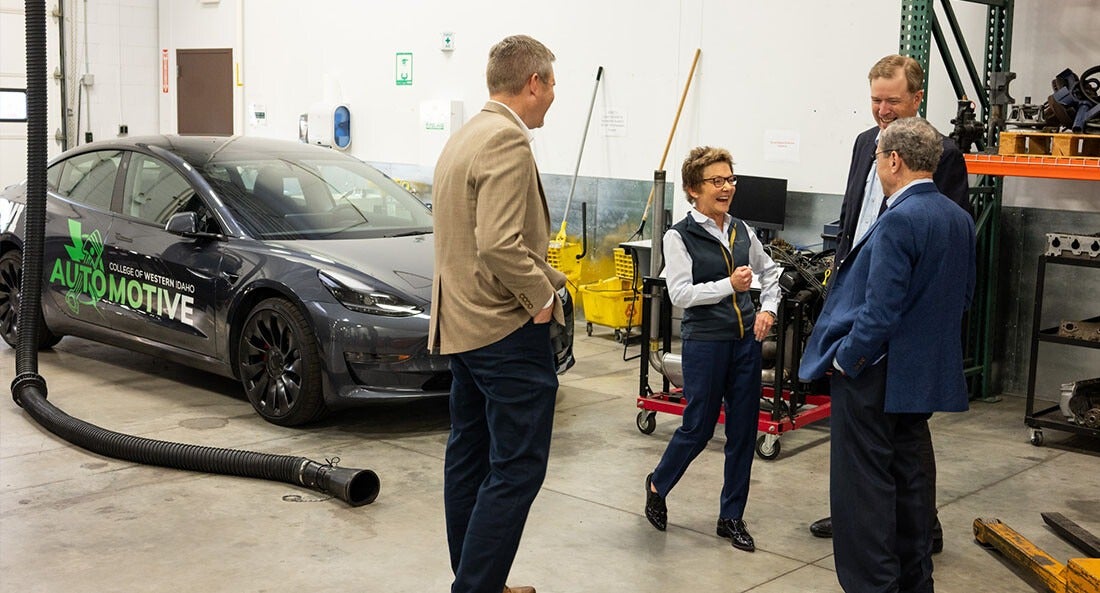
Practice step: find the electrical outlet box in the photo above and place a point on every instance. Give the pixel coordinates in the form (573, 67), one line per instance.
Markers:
(123, 129)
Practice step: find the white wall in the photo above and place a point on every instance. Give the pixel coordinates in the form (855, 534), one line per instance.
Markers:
(762, 68)
(197, 25)
(797, 68)
(122, 55)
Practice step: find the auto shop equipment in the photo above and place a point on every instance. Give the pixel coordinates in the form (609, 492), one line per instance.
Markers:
(356, 487)
(1078, 575)
(1079, 408)
(786, 403)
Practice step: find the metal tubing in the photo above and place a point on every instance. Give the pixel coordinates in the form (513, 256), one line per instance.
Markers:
(584, 136)
(656, 256)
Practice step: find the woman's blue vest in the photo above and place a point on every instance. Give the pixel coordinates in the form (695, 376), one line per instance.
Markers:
(732, 318)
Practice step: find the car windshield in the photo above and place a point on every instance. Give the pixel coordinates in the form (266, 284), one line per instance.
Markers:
(320, 198)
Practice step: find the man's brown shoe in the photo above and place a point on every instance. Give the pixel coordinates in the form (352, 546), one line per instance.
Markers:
(508, 589)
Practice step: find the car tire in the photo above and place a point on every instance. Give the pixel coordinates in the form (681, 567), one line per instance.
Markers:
(279, 364)
(11, 276)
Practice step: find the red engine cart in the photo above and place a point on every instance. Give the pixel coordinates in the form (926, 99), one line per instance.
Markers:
(787, 404)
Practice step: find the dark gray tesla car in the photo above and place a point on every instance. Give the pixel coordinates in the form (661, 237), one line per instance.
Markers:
(299, 270)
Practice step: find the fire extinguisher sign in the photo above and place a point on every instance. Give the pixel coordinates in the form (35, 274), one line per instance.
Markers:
(164, 70)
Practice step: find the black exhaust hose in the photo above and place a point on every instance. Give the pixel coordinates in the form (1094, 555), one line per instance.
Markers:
(354, 486)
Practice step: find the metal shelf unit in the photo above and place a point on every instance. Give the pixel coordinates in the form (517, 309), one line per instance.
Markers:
(1049, 417)
(1049, 167)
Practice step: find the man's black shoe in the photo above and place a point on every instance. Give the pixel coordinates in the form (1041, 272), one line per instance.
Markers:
(822, 527)
(735, 531)
(655, 509)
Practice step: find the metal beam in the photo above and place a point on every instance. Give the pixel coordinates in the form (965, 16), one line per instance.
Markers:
(1073, 533)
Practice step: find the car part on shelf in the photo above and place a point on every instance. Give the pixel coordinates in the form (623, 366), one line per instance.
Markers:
(1075, 103)
(1026, 115)
(968, 130)
(1080, 402)
(1058, 244)
(1088, 331)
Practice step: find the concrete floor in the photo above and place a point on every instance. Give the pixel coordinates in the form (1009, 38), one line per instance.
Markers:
(76, 522)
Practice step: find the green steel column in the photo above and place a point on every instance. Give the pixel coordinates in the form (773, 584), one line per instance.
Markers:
(916, 35)
(998, 50)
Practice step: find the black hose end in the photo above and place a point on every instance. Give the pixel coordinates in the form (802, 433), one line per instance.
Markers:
(24, 381)
(356, 487)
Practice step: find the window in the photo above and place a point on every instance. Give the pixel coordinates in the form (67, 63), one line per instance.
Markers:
(90, 178)
(13, 105)
(155, 191)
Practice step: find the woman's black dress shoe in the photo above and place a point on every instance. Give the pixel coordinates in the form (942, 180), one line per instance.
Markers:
(655, 509)
(735, 531)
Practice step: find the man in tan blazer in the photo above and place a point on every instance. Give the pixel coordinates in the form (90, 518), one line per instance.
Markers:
(493, 297)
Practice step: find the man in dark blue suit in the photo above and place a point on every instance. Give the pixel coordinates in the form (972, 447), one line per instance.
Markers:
(897, 89)
(896, 92)
(890, 332)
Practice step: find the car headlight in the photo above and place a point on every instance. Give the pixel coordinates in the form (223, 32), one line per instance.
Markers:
(364, 299)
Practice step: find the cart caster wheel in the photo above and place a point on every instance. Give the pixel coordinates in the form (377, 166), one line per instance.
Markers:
(1037, 438)
(647, 422)
(619, 337)
(588, 328)
(767, 446)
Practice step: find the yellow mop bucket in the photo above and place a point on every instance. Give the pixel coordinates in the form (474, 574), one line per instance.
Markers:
(562, 256)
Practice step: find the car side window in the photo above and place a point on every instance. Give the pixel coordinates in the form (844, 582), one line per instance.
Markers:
(90, 178)
(155, 191)
(53, 176)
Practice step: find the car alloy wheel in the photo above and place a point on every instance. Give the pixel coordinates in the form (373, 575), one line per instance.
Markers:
(11, 275)
(279, 364)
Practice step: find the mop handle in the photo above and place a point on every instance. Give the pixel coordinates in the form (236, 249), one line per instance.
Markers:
(675, 121)
(584, 136)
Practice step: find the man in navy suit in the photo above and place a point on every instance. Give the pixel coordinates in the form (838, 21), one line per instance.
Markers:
(890, 332)
(897, 89)
(896, 92)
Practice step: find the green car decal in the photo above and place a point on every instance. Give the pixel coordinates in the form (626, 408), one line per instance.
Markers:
(88, 283)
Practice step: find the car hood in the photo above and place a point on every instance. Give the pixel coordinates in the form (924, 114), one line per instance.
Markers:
(404, 263)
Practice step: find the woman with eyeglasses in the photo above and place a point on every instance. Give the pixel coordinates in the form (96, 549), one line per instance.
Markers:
(710, 259)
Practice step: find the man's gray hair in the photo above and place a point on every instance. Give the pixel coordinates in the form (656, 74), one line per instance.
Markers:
(513, 60)
(916, 140)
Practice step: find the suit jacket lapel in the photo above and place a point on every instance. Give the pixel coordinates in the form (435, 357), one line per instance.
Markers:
(917, 189)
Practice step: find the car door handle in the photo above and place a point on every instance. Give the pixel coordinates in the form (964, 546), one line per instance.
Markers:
(123, 238)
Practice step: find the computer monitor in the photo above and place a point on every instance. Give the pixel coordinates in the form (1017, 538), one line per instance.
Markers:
(760, 201)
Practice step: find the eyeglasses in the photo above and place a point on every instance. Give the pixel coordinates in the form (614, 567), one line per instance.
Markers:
(720, 182)
(884, 151)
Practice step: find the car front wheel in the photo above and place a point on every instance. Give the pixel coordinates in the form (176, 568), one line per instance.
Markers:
(279, 364)
(11, 275)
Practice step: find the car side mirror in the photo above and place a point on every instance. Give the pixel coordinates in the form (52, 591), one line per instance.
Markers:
(186, 224)
(183, 223)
